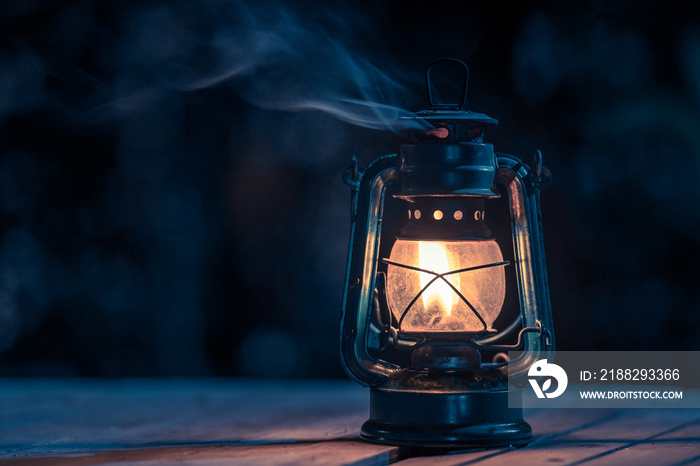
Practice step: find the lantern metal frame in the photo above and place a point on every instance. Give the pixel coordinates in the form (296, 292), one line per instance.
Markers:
(451, 406)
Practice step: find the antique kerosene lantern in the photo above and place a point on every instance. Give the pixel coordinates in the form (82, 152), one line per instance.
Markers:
(421, 325)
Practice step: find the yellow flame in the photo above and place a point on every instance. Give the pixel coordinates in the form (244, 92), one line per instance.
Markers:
(433, 256)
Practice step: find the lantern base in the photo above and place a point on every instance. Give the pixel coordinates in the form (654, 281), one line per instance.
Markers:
(445, 420)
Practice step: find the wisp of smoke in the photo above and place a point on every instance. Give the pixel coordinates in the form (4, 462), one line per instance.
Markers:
(87, 63)
(273, 56)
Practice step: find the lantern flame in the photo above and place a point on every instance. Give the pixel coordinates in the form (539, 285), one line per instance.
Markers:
(433, 256)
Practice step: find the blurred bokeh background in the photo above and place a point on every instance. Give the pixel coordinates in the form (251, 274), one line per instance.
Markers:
(171, 200)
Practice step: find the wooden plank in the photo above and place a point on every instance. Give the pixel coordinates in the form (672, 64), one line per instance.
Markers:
(549, 422)
(656, 453)
(680, 445)
(577, 435)
(546, 425)
(689, 432)
(61, 417)
(551, 452)
(211, 422)
(452, 459)
(636, 425)
(631, 438)
(334, 452)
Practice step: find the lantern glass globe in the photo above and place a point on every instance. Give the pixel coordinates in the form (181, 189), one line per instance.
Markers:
(423, 278)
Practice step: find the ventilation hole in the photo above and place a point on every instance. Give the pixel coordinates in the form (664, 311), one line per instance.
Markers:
(417, 214)
(437, 215)
(458, 215)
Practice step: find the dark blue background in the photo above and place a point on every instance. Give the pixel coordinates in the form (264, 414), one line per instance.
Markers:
(164, 212)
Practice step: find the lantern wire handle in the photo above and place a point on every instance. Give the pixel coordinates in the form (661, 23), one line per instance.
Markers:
(503, 333)
(465, 82)
(442, 276)
(539, 329)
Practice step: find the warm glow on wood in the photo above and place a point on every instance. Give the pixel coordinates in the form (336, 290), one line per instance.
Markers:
(433, 256)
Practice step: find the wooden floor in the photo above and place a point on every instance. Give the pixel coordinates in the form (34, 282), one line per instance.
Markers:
(247, 422)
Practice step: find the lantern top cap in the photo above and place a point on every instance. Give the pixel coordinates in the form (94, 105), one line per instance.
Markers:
(454, 116)
(451, 113)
